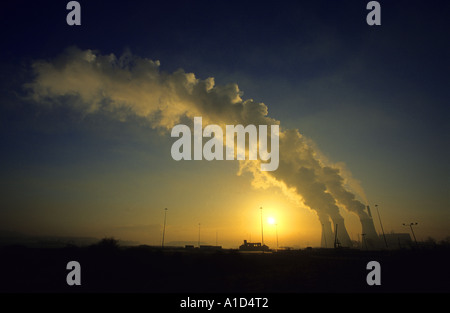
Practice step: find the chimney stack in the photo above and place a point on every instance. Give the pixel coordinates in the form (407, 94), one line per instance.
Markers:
(368, 211)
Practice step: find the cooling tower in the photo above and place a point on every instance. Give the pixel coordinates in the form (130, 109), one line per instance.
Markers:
(371, 240)
(327, 234)
(342, 235)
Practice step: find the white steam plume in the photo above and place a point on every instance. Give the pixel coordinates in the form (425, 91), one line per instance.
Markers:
(132, 86)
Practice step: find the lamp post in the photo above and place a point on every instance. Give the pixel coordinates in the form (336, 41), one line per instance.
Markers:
(262, 232)
(412, 231)
(276, 231)
(164, 229)
(385, 241)
(364, 240)
(199, 235)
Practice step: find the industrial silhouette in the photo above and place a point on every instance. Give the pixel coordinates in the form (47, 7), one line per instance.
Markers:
(253, 246)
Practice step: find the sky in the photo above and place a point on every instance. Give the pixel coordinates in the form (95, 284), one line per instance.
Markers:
(86, 114)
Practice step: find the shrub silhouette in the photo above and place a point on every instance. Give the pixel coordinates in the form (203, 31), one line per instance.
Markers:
(107, 245)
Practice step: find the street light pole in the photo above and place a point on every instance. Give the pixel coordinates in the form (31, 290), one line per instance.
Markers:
(385, 241)
(262, 232)
(412, 231)
(164, 229)
(364, 240)
(199, 235)
(276, 231)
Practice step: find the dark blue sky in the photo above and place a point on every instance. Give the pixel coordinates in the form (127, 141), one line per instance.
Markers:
(287, 44)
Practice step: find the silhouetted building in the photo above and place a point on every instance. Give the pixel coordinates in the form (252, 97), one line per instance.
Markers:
(253, 246)
(399, 240)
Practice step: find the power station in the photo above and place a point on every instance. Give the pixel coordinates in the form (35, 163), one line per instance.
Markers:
(334, 232)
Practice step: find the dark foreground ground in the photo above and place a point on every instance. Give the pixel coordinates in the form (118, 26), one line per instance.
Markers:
(150, 270)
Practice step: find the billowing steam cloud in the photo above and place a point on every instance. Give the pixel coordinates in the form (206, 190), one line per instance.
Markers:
(129, 85)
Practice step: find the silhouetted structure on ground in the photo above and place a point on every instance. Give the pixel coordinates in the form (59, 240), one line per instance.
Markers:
(253, 246)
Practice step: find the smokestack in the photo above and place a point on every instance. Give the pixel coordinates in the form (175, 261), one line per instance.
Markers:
(368, 211)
